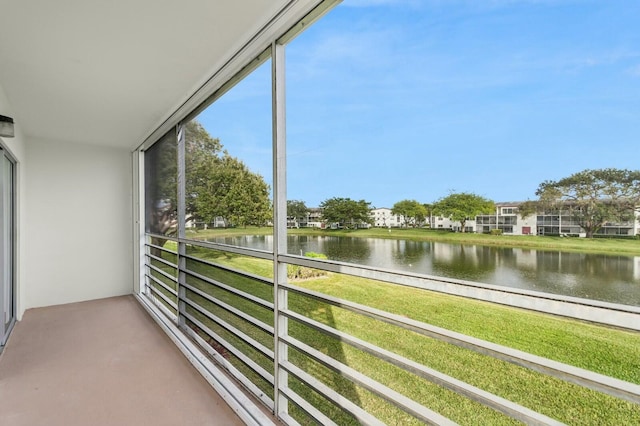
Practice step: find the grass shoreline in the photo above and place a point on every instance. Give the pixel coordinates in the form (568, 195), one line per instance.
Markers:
(608, 246)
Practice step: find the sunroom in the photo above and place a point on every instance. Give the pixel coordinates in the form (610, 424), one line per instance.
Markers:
(121, 306)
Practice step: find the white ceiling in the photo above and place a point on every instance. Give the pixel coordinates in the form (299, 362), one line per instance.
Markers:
(109, 72)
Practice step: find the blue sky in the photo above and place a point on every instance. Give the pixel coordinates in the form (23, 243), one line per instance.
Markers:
(389, 100)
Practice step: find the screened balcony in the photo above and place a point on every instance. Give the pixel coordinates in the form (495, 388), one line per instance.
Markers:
(118, 313)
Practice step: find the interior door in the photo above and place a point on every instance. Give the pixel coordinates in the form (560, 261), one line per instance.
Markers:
(7, 246)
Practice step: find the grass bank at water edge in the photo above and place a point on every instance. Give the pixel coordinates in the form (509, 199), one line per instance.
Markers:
(614, 246)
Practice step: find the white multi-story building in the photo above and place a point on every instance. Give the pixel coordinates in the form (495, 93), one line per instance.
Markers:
(507, 219)
(445, 223)
(313, 219)
(382, 217)
(561, 222)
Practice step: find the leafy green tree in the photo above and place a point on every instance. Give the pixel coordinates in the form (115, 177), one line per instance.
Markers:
(227, 188)
(296, 208)
(462, 206)
(219, 185)
(346, 211)
(201, 154)
(428, 208)
(413, 211)
(593, 197)
(528, 208)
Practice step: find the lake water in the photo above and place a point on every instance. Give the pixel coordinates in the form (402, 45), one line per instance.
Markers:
(607, 278)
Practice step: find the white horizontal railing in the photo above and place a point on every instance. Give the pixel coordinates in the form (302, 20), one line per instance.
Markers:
(617, 315)
(612, 314)
(599, 382)
(232, 320)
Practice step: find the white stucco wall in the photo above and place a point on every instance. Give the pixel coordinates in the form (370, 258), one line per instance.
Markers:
(79, 213)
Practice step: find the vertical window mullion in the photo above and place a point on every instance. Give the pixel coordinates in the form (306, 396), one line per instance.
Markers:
(181, 204)
(7, 246)
(4, 247)
(279, 224)
(139, 214)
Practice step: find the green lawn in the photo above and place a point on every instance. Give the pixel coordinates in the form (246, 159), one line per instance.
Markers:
(596, 245)
(605, 350)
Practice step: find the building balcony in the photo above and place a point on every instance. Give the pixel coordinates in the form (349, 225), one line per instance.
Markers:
(111, 325)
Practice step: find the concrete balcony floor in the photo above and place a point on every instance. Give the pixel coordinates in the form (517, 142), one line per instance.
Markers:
(103, 362)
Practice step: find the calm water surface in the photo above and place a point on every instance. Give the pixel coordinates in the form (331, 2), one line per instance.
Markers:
(594, 276)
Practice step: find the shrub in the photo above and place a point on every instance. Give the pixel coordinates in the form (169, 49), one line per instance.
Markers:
(297, 272)
(315, 255)
(496, 232)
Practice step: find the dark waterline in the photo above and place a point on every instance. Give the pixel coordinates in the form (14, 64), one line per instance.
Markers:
(607, 278)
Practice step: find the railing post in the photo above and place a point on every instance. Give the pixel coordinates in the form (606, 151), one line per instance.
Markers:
(279, 224)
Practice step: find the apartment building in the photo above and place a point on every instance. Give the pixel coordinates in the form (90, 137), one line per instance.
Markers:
(508, 221)
(383, 217)
(313, 219)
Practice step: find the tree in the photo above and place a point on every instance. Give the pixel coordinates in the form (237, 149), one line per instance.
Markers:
(462, 206)
(217, 184)
(412, 211)
(225, 187)
(428, 208)
(346, 211)
(593, 197)
(296, 208)
(528, 208)
(201, 155)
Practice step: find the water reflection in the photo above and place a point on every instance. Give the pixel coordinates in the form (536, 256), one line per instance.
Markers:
(410, 253)
(356, 250)
(464, 261)
(601, 277)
